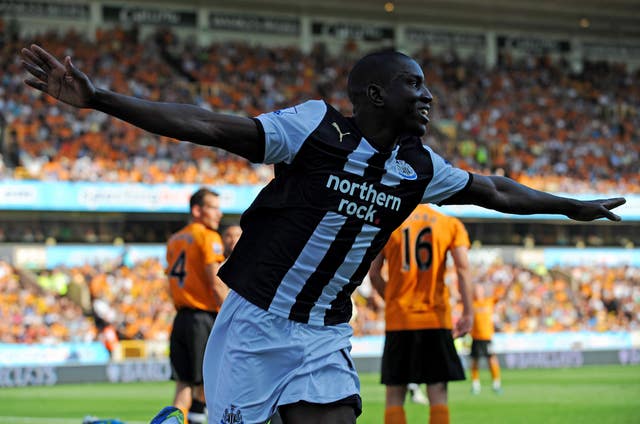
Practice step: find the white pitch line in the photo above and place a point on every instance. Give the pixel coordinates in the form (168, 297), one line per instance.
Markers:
(47, 420)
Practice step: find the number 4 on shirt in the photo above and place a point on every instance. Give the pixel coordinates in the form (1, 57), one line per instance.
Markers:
(177, 270)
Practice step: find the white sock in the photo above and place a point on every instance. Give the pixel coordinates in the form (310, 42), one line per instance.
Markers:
(196, 418)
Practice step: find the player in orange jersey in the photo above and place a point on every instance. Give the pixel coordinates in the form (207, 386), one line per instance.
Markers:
(419, 329)
(481, 335)
(193, 256)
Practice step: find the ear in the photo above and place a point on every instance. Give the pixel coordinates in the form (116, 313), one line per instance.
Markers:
(196, 211)
(376, 94)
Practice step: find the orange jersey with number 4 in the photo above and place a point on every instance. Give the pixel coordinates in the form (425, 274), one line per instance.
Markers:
(416, 295)
(189, 251)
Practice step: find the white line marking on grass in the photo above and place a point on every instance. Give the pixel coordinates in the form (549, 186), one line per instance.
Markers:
(48, 420)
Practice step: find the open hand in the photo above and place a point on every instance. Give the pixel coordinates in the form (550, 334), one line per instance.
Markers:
(594, 209)
(61, 81)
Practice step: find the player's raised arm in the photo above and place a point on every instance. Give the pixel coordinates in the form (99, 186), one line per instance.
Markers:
(506, 195)
(65, 82)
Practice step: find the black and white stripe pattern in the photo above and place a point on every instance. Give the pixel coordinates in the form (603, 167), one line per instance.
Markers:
(309, 237)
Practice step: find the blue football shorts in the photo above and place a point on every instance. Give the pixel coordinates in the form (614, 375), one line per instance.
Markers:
(256, 361)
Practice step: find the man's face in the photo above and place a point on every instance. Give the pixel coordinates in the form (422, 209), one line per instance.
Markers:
(230, 237)
(209, 213)
(408, 99)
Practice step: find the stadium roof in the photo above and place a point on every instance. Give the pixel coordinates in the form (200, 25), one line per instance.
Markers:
(590, 18)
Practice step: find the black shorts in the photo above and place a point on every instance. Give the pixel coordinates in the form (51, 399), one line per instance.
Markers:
(420, 356)
(189, 337)
(481, 348)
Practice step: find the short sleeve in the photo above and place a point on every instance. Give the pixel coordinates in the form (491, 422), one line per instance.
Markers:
(447, 180)
(213, 250)
(286, 130)
(461, 236)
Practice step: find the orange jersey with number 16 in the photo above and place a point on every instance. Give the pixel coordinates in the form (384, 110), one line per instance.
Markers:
(189, 251)
(416, 295)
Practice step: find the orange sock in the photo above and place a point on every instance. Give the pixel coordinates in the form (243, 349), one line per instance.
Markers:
(439, 414)
(394, 415)
(475, 370)
(494, 367)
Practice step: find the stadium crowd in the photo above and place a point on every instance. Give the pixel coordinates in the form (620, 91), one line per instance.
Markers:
(73, 304)
(31, 314)
(65, 304)
(534, 120)
(563, 298)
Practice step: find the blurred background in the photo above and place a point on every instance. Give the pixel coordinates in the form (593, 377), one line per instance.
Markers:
(545, 92)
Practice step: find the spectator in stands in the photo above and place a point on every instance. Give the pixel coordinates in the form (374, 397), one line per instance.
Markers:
(419, 335)
(193, 256)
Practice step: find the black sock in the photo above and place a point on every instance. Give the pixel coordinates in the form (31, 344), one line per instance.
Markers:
(197, 406)
(197, 412)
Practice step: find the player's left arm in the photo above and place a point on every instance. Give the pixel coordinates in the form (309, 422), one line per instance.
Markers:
(460, 255)
(375, 274)
(66, 83)
(506, 195)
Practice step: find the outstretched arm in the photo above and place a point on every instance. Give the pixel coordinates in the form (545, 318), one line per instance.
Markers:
(506, 195)
(185, 122)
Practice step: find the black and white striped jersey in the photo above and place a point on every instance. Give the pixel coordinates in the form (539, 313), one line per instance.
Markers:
(309, 237)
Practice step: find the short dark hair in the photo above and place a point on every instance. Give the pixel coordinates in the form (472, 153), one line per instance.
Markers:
(235, 223)
(376, 67)
(197, 198)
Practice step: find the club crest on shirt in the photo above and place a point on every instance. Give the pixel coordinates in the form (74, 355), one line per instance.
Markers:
(405, 170)
(217, 248)
(232, 415)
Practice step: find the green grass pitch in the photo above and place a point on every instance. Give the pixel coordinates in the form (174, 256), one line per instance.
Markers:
(603, 395)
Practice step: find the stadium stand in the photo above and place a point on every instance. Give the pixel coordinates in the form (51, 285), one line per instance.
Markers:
(563, 298)
(134, 300)
(532, 119)
(33, 314)
(535, 119)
